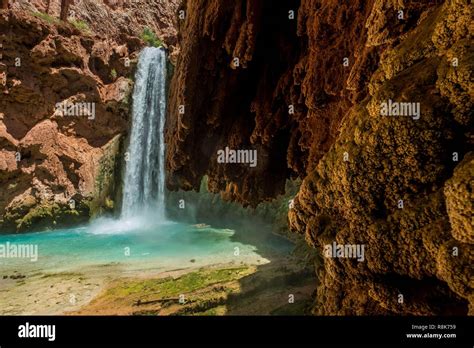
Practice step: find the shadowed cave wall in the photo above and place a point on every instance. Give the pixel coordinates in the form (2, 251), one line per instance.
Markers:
(400, 186)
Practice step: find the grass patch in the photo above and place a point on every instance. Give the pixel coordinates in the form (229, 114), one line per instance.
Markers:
(80, 25)
(170, 287)
(150, 38)
(46, 17)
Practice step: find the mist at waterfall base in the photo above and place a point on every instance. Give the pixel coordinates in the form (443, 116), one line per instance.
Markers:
(141, 237)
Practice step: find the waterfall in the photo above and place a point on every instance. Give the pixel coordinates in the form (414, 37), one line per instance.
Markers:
(144, 183)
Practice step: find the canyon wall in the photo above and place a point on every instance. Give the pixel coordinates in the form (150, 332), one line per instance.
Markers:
(303, 82)
(57, 169)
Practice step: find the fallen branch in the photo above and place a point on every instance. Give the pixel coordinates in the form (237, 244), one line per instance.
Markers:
(140, 302)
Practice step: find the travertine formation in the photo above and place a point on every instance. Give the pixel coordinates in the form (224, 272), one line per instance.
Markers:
(57, 169)
(306, 92)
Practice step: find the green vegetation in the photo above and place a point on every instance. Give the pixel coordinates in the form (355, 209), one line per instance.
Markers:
(40, 212)
(46, 17)
(170, 287)
(150, 38)
(81, 25)
(78, 24)
(205, 292)
(113, 74)
(46, 215)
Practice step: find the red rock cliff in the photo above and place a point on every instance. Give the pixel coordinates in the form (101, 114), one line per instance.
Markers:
(48, 159)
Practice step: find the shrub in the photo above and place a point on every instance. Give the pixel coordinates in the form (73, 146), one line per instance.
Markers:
(150, 38)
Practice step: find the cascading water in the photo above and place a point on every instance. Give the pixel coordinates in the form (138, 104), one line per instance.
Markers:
(143, 191)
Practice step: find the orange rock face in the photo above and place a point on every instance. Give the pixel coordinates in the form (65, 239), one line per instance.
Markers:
(58, 168)
(307, 94)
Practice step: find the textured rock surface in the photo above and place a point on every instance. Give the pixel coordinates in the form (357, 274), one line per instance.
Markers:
(120, 20)
(459, 193)
(46, 158)
(398, 185)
